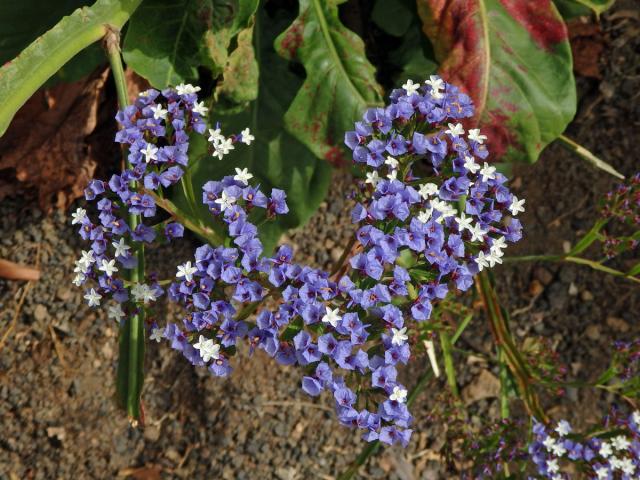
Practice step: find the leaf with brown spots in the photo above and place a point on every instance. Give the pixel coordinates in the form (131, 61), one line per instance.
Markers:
(513, 58)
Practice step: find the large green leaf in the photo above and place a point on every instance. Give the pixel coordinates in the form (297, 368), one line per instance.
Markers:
(513, 58)
(340, 81)
(168, 40)
(575, 8)
(276, 158)
(21, 77)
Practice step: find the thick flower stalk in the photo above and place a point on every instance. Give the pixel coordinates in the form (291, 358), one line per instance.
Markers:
(431, 214)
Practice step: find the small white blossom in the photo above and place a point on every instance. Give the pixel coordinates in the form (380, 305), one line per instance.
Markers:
(78, 216)
(331, 317)
(150, 152)
(115, 312)
(223, 148)
(200, 109)
(464, 222)
(552, 466)
(159, 113)
(427, 189)
(425, 215)
(207, 348)
(186, 89)
(121, 248)
(93, 298)
(635, 416)
(373, 178)
(186, 271)
(436, 84)
(559, 450)
(243, 176)
(86, 257)
(247, 138)
(497, 246)
(79, 279)
(215, 136)
(516, 206)
(627, 466)
(143, 293)
(620, 443)
(225, 201)
(392, 162)
(477, 233)
(156, 334)
(549, 443)
(470, 164)
(411, 87)
(399, 336)
(445, 209)
(399, 394)
(481, 260)
(488, 172)
(605, 450)
(494, 258)
(108, 267)
(603, 473)
(474, 134)
(455, 129)
(392, 175)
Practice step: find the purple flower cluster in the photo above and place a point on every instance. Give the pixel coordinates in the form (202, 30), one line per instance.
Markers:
(623, 206)
(417, 241)
(616, 456)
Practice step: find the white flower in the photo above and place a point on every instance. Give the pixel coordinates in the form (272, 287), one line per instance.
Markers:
(186, 271)
(605, 450)
(215, 136)
(93, 298)
(331, 317)
(108, 267)
(436, 84)
(156, 334)
(243, 176)
(488, 172)
(615, 463)
(78, 216)
(494, 258)
(516, 206)
(464, 222)
(635, 416)
(602, 472)
(620, 443)
(411, 87)
(445, 209)
(247, 138)
(121, 248)
(79, 279)
(399, 394)
(455, 130)
(225, 201)
(373, 178)
(143, 293)
(563, 427)
(481, 260)
(223, 148)
(159, 113)
(427, 189)
(470, 164)
(477, 233)
(497, 246)
(392, 175)
(115, 312)
(86, 257)
(199, 108)
(552, 466)
(399, 336)
(186, 89)
(627, 466)
(474, 134)
(425, 215)
(549, 443)
(559, 450)
(207, 348)
(392, 162)
(150, 152)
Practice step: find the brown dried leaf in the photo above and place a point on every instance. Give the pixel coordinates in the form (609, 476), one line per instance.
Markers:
(48, 145)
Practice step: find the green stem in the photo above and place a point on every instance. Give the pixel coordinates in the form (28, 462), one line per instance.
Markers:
(449, 369)
(588, 156)
(133, 344)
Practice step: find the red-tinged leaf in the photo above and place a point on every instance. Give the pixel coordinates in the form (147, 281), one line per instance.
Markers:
(513, 58)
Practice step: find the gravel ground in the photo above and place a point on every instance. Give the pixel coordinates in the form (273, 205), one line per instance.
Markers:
(57, 358)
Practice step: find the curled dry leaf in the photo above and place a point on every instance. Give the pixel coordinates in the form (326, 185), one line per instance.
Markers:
(52, 145)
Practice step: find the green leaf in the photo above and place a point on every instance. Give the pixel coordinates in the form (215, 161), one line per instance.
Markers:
(340, 82)
(168, 40)
(577, 8)
(393, 16)
(276, 158)
(513, 58)
(590, 237)
(413, 57)
(21, 77)
(635, 270)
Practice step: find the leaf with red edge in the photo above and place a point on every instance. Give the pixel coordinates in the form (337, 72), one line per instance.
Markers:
(513, 58)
